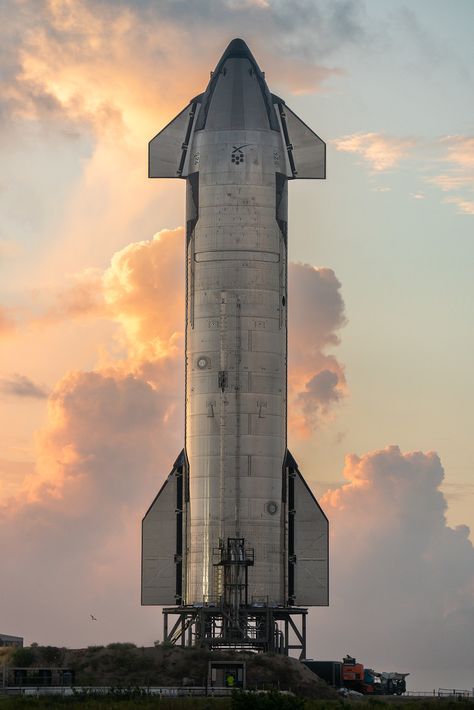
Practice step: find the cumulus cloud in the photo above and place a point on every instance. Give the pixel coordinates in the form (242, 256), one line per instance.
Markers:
(112, 434)
(316, 379)
(21, 386)
(320, 392)
(75, 524)
(144, 292)
(109, 440)
(406, 572)
(381, 152)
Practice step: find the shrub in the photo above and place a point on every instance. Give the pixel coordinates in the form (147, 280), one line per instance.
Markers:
(120, 646)
(51, 654)
(23, 657)
(265, 701)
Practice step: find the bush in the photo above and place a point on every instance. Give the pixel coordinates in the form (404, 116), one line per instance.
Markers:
(22, 657)
(166, 645)
(116, 646)
(51, 654)
(265, 701)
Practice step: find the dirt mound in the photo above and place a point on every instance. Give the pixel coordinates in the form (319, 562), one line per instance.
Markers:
(124, 664)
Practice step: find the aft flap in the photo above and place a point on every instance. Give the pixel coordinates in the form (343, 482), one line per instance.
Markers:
(306, 150)
(311, 547)
(308, 544)
(167, 151)
(162, 542)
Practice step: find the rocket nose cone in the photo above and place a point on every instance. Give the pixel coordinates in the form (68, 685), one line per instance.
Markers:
(237, 48)
(237, 95)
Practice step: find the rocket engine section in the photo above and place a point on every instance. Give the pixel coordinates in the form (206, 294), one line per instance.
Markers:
(237, 145)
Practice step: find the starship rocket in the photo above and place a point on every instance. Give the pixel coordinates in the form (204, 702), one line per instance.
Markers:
(235, 491)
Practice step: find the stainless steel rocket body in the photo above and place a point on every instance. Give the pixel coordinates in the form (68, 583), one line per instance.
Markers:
(237, 145)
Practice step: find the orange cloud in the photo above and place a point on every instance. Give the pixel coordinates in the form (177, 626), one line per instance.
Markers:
(465, 206)
(100, 71)
(21, 386)
(381, 152)
(447, 183)
(7, 325)
(98, 65)
(406, 571)
(144, 292)
(316, 380)
(460, 150)
(459, 177)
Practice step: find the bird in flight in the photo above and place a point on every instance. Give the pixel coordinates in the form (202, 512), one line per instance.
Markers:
(92, 617)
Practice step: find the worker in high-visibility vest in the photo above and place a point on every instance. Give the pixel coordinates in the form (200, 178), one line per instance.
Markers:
(230, 681)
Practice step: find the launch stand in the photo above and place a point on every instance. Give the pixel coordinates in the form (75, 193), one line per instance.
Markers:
(265, 629)
(231, 621)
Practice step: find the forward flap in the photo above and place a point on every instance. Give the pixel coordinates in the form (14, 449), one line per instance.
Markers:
(167, 151)
(306, 150)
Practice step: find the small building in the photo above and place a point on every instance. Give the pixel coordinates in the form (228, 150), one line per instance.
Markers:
(6, 640)
(226, 674)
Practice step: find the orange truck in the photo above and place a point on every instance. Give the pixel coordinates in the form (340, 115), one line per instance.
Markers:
(370, 682)
(351, 676)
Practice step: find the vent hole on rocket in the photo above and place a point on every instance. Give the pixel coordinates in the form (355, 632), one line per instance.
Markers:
(283, 301)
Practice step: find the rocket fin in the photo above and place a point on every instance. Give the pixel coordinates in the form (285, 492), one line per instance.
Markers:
(168, 150)
(308, 542)
(306, 151)
(162, 542)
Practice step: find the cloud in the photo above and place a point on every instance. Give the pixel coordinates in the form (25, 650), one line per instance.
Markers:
(459, 174)
(465, 206)
(381, 152)
(7, 325)
(460, 151)
(409, 574)
(102, 456)
(109, 440)
(81, 296)
(144, 292)
(110, 68)
(447, 183)
(12, 475)
(320, 392)
(316, 379)
(21, 386)
(106, 73)
(112, 434)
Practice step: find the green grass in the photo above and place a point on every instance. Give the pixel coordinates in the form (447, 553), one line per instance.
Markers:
(111, 703)
(245, 701)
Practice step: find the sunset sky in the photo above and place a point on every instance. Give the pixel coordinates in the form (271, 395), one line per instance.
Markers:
(381, 300)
